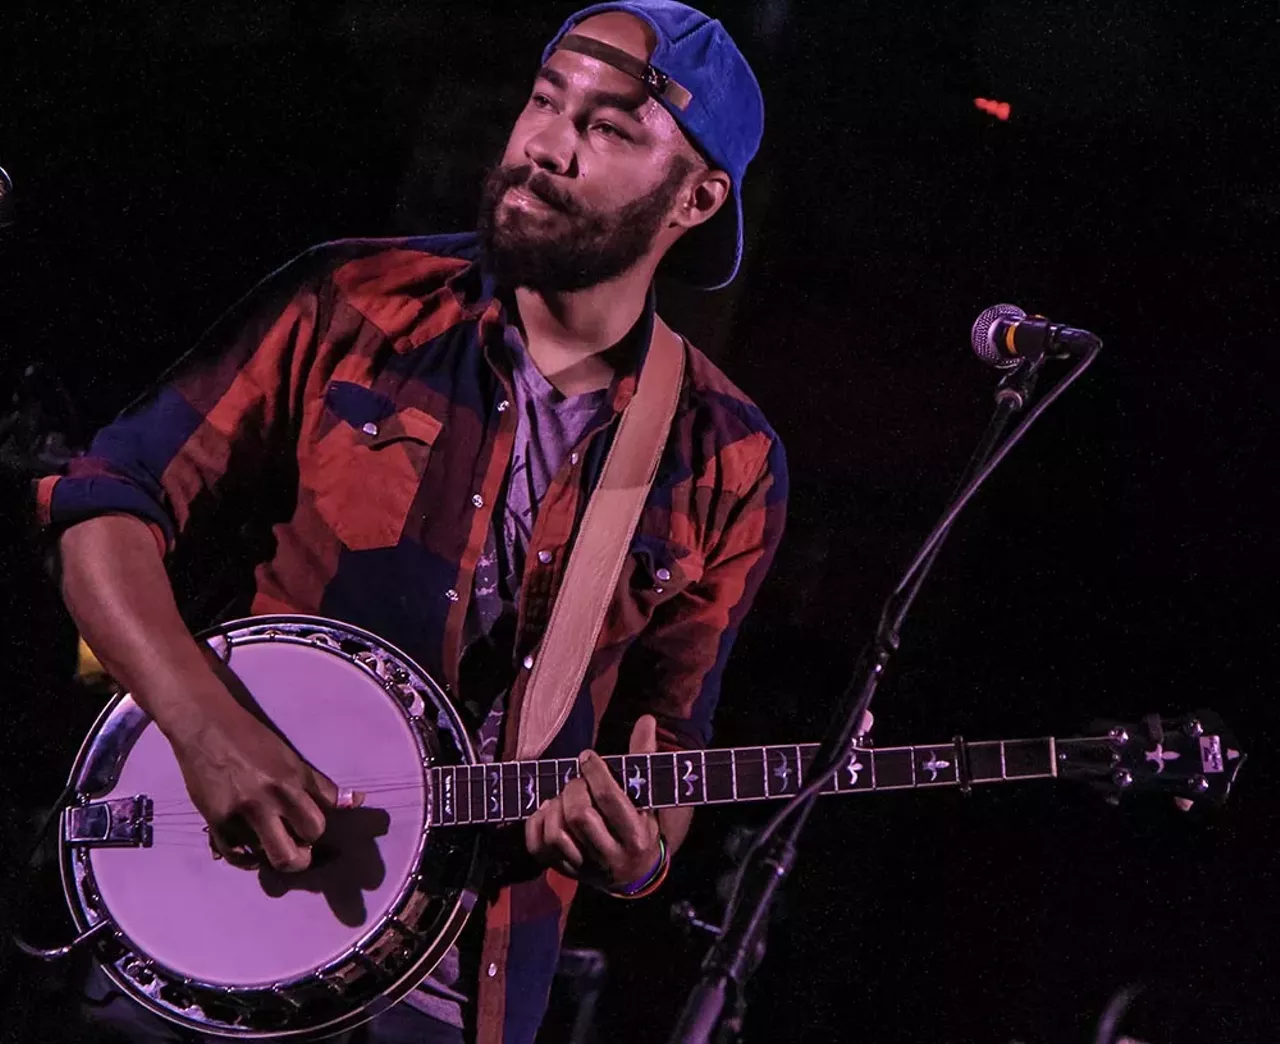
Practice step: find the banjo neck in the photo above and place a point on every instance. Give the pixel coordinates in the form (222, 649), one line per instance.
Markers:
(504, 792)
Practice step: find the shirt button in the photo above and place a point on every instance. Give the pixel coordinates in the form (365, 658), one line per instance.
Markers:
(544, 557)
(664, 574)
(478, 500)
(502, 406)
(528, 663)
(492, 970)
(370, 429)
(451, 594)
(573, 458)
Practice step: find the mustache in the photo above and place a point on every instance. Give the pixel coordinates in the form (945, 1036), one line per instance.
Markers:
(536, 183)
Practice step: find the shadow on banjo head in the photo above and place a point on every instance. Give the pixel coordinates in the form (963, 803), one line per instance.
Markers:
(345, 863)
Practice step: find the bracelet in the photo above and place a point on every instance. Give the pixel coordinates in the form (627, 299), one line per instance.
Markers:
(651, 881)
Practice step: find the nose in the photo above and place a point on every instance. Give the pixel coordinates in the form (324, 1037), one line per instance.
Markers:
(552, 147)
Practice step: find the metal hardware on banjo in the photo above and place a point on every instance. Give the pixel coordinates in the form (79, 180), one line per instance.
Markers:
(258, 954)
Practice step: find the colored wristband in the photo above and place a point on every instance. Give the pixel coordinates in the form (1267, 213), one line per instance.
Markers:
(648, 884)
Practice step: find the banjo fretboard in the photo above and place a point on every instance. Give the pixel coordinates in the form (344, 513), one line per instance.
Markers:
(503, 792)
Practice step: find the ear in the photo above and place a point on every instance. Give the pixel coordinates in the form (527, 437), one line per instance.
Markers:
(701, 199)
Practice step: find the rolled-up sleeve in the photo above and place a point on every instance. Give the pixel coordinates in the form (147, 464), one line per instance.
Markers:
(209, 429)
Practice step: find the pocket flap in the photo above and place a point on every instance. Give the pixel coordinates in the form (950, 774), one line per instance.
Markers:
(408, 422)
(378, 419)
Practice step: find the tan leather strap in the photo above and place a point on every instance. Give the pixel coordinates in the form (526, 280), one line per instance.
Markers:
(601, 546)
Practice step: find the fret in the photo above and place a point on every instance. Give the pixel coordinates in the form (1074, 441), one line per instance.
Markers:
(512, 805)
(748, 770)
(448, 799)
(662, 780)
(719, 781)
(636, 776)
(986, 762)
(782, 765)
(461, 793)
(479, 804)
(936, 766)
(614, 763)
(548, 780)
(1004, 771)
(894, 767)
(808, 754)
(1028, 759)
(433, 782)
(689, 778)
(494, 810)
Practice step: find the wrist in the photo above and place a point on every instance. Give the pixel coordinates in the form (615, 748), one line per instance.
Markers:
(651, 881)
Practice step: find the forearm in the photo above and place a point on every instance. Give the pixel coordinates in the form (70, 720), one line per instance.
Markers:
(116, 588)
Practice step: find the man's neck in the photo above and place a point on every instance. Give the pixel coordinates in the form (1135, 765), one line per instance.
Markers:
(568, 335)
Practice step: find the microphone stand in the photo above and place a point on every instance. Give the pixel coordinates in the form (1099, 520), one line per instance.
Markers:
(729, 961)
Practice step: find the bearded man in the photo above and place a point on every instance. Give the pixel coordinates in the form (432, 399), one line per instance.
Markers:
(412, 428)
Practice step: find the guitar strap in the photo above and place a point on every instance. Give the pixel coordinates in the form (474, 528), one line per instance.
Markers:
(602, 544)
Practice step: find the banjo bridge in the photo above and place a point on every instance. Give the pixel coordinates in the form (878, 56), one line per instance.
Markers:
(111, 823)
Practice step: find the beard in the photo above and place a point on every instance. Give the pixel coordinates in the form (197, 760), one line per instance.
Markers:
(569, 247)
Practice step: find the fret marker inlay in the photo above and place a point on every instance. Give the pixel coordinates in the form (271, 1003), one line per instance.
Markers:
(636, 783)
(933, 766)
(690, 777)
(854, 767)
(783, 771)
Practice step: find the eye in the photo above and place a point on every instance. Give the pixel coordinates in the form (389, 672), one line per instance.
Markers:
(610, 131)
(540, 101)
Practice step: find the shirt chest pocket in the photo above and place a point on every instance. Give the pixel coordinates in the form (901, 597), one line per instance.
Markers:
(368, 461)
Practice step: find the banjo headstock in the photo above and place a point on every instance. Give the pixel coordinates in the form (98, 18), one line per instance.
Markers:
(1193, 757)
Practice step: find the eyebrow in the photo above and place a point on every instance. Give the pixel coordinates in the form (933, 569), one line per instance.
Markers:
(629, 103)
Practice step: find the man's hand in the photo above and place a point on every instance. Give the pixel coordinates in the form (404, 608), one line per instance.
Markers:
(592, 830)
(258, 797)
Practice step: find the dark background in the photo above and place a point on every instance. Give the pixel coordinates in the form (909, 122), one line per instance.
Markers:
(169, 154)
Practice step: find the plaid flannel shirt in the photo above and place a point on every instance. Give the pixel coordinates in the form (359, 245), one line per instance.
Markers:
(355, 405)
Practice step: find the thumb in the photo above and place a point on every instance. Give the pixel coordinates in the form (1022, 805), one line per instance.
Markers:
(644, 736)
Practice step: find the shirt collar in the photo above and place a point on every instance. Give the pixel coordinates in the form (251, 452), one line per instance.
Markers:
(493, 307)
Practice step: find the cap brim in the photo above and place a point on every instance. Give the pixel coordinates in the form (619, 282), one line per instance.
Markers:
(708, 257)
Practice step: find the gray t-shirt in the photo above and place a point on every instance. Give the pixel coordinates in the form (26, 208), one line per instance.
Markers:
(548, 426)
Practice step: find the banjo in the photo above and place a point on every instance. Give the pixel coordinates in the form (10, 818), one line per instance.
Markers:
(258, 954)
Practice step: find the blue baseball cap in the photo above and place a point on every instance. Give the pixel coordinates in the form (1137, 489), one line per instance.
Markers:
(697, 73)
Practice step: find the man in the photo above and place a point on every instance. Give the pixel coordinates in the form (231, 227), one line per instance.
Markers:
(416, 425)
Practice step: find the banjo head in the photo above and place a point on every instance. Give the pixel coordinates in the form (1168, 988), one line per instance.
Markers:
(253, 952)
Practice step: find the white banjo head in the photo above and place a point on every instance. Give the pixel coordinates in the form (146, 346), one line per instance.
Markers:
(194, 926)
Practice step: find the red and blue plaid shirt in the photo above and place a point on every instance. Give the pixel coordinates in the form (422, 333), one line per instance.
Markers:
(356, 403)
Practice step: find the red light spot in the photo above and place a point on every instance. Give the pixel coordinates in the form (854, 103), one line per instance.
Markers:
(1000, 110)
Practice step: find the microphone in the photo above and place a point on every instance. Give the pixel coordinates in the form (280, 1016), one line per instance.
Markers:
(1004, 336)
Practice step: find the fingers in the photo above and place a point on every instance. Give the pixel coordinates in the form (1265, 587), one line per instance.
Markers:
(549, 841)
(302, 816)
(619, 815)
(586, 824)
(322, 788)
(281, 850)
(644, 735)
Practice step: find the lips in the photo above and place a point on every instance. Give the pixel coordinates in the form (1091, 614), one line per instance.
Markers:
(523, 198)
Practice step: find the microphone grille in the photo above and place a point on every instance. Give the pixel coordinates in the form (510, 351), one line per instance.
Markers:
(982, 336)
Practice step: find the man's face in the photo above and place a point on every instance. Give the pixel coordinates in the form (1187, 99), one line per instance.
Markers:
(591, 174)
